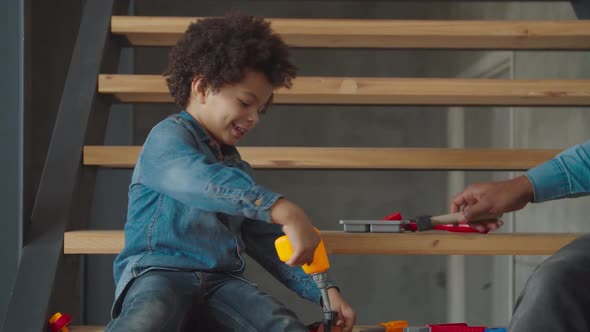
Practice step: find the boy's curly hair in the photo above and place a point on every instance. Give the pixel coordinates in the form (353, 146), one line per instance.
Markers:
(218, 50)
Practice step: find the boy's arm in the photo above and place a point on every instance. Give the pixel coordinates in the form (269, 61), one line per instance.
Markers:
(259, 238)
(170, 163)
(566, 175)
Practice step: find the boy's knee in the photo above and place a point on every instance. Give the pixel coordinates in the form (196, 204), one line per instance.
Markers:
(154, 303)
(151, 311)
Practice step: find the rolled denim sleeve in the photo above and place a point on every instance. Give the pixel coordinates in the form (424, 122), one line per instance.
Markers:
(171, 163)
(259, 239)
(566, 175)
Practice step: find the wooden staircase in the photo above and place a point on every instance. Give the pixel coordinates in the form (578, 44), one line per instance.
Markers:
(334, 33)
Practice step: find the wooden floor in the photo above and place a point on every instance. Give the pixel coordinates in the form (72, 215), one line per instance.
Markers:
(98, 328)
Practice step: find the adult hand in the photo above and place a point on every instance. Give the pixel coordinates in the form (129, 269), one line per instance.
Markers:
(492, 198)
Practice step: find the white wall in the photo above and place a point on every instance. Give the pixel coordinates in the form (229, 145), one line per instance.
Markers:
(494, 283)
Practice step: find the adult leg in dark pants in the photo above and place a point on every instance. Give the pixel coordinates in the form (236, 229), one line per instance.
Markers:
(556, 298)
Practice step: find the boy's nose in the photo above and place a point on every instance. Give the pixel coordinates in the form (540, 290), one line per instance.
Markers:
(253, 117)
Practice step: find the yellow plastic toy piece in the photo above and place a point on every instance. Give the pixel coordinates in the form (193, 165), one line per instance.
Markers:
(54, 319)
(395, 326)
(320, 257)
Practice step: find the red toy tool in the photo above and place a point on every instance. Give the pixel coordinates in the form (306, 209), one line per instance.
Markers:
(413, 226)
(394, 223)
(456, 327)
(59, 322)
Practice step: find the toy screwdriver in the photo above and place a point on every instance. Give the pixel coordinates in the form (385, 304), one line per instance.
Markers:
(318, 270)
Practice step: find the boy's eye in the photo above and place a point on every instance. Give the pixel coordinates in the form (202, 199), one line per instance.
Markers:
(246, 105)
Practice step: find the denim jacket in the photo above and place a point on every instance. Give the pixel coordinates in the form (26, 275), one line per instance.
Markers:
(566, 175)
(194, 208)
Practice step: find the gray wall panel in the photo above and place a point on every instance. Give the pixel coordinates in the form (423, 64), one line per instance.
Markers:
(12, 86)
(369, 282)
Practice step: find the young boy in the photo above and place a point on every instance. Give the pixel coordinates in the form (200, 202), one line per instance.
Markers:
(194, 207)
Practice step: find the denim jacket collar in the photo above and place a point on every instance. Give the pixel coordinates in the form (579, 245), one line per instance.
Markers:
(222, 152)
(201, 133)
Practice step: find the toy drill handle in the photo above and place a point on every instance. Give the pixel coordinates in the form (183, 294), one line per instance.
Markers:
(320, 257)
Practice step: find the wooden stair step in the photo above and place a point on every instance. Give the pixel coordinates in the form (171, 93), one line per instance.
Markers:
(379, 91)
(342, 243)
(96, 328)
(352, 158)
(87, 328)
(343, 33)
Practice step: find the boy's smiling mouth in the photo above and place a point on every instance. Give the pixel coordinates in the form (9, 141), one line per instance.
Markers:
(239, 131)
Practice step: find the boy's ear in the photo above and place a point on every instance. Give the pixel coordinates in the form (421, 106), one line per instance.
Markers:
(200, 96)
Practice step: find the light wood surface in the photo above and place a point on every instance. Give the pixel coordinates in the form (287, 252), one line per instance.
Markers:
(379, 91)
(165, 31)
(97, 328)
(87, 328)
(338, 242)
(352, 158)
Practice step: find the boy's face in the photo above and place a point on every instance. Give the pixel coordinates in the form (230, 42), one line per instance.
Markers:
(232, 112)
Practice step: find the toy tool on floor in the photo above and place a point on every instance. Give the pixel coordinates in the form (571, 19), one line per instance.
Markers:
(394, 223)
(403, 326)
(319, 272)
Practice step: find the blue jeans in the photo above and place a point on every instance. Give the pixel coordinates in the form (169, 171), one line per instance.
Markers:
(556, 297)
(195, 301)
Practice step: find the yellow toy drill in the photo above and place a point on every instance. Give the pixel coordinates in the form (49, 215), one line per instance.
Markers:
(318, 270)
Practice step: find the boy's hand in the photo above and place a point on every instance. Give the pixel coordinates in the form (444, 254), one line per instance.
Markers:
(299, 230)
(346, 315)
